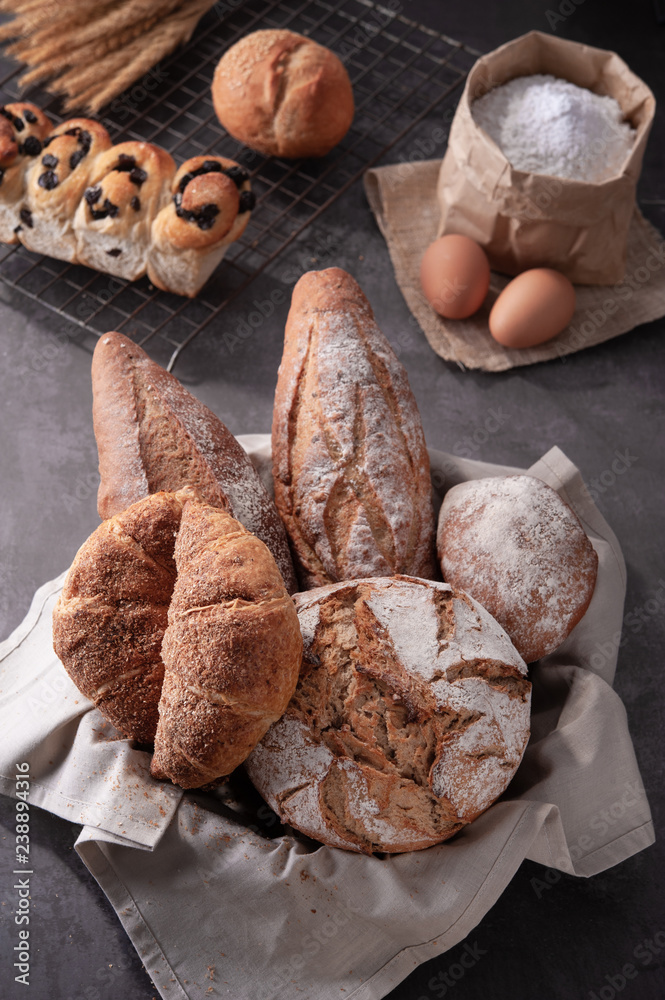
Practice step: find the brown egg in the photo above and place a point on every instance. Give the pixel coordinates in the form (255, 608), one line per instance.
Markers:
(532, 308)
(455, 276)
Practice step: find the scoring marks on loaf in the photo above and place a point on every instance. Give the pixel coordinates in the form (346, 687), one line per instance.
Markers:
(357, 496)
(398, 733)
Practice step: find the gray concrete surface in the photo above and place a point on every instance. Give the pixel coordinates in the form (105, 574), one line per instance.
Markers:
(566, 942)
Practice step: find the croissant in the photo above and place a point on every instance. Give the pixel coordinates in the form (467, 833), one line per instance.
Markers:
(55, 184)
(232, 647)
(23, 129)
(210, 207)
(232, 650)
(110, 618)
(127, 187)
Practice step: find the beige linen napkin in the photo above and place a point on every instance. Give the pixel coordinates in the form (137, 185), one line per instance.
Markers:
(79, 768)
(226, 898)
(404, 200)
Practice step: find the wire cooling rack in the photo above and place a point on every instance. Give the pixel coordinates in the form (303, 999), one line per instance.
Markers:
(401, 73)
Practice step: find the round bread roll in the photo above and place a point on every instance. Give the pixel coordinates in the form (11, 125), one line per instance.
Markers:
(518, 549)
(410, 717)
(282, 94)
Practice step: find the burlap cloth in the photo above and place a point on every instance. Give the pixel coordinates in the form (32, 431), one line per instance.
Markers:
(403, 198)
(220, 901)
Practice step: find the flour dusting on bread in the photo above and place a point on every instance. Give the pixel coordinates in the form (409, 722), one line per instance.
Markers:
(399, 732)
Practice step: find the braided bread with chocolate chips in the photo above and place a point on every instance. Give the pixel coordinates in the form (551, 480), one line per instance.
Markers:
(123, 210)
(127, 187)
(209, 209)
(55, 184)
(23, 129)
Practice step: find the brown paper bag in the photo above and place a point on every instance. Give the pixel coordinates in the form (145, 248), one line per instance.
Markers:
(528, 220)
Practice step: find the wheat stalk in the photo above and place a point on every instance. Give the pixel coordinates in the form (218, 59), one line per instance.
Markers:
(92, 50)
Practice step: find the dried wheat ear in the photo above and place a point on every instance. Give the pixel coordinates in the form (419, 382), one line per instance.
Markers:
(92, 50)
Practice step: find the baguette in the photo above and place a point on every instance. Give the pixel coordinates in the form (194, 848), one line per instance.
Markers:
(152, 434)
(350, 465)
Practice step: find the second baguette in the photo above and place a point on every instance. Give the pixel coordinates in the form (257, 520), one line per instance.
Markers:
(152, 434)
(350, 464)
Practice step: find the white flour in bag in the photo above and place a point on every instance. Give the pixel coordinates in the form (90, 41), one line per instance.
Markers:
(545, 125)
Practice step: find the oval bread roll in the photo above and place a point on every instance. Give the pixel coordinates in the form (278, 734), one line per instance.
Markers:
(110, 618)
(283, 94)
(410, 717)
(175, 622)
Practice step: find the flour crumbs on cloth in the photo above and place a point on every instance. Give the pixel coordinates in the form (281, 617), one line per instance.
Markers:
(546, 125)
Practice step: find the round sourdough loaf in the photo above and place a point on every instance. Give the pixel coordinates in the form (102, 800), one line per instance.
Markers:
(410, 717)
(283, 94)
(518, 548)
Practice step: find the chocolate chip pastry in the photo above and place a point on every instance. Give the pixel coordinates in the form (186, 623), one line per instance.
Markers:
(54, 186)
(120, 209)
(127, 187)
(209, 209)
(23, 129)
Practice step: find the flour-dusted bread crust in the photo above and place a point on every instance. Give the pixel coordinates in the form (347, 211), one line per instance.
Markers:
(208, 209)
(232, 650)
(517, 547)
(127, 187)
(410, 717)
(152, 434)
(23, 129)
(350, 465)
(110, 618)
(55, 184)
(283, 94)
